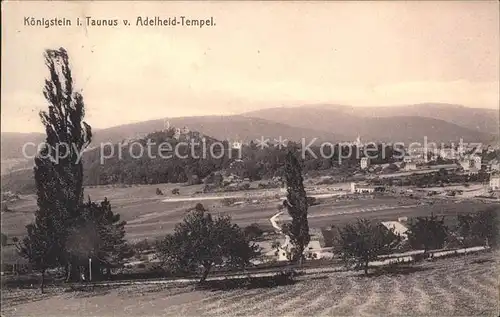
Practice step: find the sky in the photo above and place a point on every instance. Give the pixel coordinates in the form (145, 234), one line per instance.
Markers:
(258, 55)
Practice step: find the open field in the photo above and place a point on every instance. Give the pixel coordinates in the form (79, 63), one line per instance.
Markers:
(149, 216)
(464, 286)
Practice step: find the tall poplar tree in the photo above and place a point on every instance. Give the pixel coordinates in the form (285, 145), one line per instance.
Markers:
(58, 170)
(297, 205)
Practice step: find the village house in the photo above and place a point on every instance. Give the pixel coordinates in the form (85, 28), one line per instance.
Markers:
(318, 248)
(410, 166)
(465, 164)
(365, 188)
(398, 227)
(477, 162)
(495, 182)
(364, 162)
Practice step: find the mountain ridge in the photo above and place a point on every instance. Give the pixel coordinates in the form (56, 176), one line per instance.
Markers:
(326, 122)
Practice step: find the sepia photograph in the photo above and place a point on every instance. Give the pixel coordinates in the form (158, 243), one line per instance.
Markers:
(250, 158)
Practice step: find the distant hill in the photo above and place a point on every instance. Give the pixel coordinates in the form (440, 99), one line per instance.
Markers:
(239, 128)
(220, 127)
(342, 121)
(12, 144)
(477, 119)
(248, 129)
(326, 122)
(411, 128)
(21, 181)
(192, 164)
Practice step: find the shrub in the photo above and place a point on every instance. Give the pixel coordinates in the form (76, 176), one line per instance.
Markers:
(427, 233)
(199, 207)
(253, 231)
(312, 201)
(228, 201)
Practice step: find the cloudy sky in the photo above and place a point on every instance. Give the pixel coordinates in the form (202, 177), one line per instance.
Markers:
(259, 54)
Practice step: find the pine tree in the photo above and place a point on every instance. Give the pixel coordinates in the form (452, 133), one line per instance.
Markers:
(296, 204)
(98, 234)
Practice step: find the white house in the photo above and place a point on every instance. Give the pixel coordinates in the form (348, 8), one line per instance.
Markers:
(465, 164)
(365, 162)
(495, 182)
(364, 188)
(477, 162)
(410, 166)
(398, 228)
(314, 250)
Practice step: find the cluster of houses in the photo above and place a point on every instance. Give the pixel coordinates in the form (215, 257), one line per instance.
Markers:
(180, 131)
(467, 163)
(471, 164)
(495, 182)
(321, 245)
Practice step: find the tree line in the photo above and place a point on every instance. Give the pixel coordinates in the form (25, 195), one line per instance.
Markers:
(256, 163)
(363, 241)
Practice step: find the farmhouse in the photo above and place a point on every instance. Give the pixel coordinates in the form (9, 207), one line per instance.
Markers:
(365, 188)
(365, 162)
(465, 164)
(495, 182)
(469, 162)
(410, 166)
(398, 228)
(316, 249)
